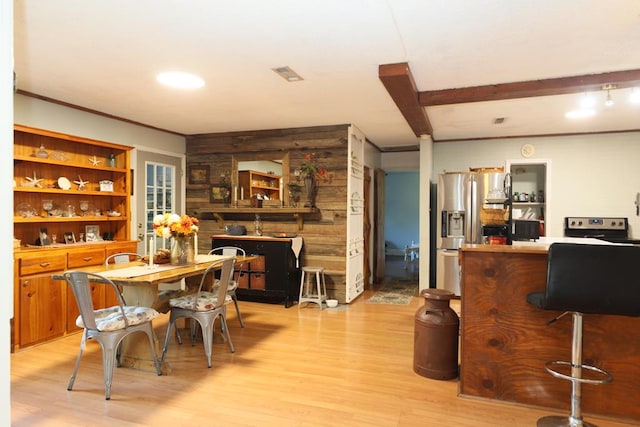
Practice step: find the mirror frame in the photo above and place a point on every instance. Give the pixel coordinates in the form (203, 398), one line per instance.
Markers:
(273, 155)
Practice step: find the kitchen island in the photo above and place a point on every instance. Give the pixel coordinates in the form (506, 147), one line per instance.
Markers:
(505, 342)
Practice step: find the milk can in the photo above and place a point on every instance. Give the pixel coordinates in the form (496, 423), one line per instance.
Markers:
(435, 351)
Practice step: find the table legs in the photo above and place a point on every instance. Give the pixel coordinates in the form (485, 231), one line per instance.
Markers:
(135, 348)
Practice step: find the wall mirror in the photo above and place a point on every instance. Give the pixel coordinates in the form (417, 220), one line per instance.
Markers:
(273, 174)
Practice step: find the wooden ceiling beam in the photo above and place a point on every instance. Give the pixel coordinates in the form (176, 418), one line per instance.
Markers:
(399, 82)
(526, 89)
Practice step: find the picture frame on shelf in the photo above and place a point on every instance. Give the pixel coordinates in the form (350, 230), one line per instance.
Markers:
(106, 186)
(219, 193)
(43, 237)
(92, 233)
(198, 174)
(69, 237)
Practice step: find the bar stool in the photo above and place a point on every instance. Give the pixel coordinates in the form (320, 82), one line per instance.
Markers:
(307, 291)
(586, 279)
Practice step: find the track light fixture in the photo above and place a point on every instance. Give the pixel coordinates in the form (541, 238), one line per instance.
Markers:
(609, 102)
(588, 102)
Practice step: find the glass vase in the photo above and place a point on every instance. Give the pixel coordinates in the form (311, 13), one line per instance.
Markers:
(183, 250)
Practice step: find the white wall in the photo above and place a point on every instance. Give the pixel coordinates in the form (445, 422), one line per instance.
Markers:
(403, 161)
(36, 113)
(590, 175)
(6, 194)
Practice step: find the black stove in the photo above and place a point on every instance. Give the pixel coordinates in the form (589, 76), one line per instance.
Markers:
(609, 229)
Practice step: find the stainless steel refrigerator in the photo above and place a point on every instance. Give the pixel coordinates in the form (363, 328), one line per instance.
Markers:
(472, 207)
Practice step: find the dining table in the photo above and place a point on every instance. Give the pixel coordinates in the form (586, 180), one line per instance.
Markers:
(139, 283)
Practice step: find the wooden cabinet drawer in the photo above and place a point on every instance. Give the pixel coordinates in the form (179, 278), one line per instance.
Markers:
(43, 264)
(242, 278)
(86, 258)
(257, 281)
(257, 264)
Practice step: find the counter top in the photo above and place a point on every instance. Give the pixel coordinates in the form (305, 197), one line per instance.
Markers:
(540, 245)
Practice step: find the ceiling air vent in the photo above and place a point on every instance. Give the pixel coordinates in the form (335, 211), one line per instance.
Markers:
(288, 74)
(499, 120)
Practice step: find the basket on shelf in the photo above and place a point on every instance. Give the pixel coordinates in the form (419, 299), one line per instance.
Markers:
(494, 216)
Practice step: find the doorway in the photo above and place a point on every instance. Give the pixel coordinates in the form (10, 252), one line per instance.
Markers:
(159, 189)
(402, 225)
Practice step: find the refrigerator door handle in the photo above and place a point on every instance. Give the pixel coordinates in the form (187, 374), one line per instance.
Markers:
(470, 231)
(507, 184)
(444, 232)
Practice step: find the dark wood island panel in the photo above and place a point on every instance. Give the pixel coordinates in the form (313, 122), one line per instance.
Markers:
(505, 342)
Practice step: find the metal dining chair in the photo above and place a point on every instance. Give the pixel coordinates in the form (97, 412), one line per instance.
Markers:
(108, 326)
(233, 283)
(122, 257)
(204, 307)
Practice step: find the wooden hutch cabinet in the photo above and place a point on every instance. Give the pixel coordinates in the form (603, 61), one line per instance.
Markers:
(62, 185)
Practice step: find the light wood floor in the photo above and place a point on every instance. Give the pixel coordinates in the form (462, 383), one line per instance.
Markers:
(350, 366)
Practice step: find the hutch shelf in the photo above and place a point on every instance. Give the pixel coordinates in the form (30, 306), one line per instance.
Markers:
(64, 183)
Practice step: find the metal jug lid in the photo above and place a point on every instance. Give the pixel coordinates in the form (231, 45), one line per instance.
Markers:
(437, 294)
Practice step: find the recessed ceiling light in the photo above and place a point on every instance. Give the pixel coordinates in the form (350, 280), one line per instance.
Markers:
(180, 80)
(288, 74)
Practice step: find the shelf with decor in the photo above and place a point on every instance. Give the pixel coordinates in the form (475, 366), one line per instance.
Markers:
(528, 204)
(529, 179)
(253, 183)
(221, 213)
(64, 183)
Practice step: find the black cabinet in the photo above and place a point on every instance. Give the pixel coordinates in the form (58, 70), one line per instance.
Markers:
(273, 277)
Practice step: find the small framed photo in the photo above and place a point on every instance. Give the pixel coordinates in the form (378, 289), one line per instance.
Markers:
(43, 237)
(92, 233)
(69, 237)
(106, 186)
(198, 174)
(219, 193)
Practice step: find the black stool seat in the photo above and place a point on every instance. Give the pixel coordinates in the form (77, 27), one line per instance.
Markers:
(586, 279)
(591, 279)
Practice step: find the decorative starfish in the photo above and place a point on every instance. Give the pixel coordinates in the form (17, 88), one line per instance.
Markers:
(94, 161)
(34, 181)
(82, 185)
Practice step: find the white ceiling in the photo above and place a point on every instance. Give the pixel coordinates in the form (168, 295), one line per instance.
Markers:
(104, 55)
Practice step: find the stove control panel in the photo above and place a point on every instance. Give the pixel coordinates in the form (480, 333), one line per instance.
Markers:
(595, 223)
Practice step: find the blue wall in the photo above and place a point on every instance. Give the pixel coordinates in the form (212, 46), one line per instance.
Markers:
(402, 201)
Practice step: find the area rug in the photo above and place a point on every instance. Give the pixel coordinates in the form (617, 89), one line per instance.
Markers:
(397, 292)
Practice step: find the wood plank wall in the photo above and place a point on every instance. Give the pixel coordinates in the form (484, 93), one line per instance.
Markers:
(324, 233)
